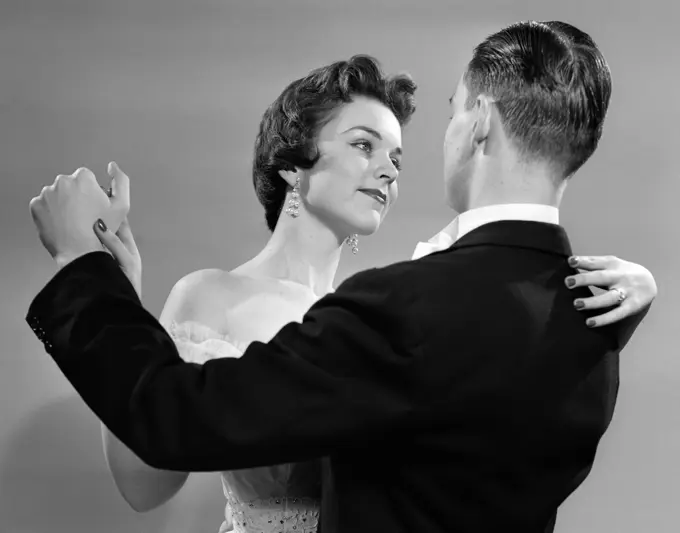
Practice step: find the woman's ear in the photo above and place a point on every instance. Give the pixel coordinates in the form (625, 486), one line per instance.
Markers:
(291, 175)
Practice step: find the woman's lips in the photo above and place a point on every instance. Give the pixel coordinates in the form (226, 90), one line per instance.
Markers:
(375, 194)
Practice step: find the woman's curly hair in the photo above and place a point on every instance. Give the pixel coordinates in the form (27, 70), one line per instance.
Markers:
(289, 127)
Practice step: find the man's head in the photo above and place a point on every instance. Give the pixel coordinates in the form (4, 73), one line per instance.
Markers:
(536, 93)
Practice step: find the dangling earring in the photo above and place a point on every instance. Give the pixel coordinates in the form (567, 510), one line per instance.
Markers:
(353, 242)
(294, 201)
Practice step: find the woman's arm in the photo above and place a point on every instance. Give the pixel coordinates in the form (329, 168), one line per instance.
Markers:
(143, 487)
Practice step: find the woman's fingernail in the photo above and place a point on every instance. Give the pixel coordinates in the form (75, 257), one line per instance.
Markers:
(590, 322)
(578, 304)
(573, 260)
(571, 282)
(101, 225)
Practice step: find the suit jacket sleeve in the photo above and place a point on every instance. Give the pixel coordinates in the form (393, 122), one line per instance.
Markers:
(341, 379)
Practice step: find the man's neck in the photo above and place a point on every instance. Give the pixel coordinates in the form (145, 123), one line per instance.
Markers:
(509, 182)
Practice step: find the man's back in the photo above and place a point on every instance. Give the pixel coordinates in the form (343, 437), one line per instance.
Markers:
(516, 393)
(461, 392)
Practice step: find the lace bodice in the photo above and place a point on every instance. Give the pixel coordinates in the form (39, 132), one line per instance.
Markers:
(271, 499)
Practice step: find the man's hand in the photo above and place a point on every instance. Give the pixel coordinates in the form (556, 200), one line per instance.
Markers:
(617, 277)
(124, 250)
(65, 212)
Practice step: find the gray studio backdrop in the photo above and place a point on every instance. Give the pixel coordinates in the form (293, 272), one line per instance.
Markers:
(174, 91)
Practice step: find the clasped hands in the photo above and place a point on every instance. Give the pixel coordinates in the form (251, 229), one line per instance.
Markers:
(75, 216)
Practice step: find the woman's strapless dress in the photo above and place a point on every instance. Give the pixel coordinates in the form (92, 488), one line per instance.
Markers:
(273, 499)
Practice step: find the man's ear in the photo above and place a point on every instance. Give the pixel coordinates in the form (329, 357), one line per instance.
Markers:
(482, 123)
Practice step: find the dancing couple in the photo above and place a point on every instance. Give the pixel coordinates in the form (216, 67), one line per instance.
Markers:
(464, 389)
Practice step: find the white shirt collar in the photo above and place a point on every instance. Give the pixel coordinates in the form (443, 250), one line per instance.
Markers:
(474, 218)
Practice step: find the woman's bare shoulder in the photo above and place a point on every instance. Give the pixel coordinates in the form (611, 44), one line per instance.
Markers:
(202, 296)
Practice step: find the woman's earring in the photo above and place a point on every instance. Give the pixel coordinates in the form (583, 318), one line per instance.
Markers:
(294, 202)
(353, 242)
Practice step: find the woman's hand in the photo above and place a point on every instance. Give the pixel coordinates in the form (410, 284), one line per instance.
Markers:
(630, 288)
(124, 250)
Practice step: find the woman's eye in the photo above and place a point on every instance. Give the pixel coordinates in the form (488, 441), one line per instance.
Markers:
(396, 163)
(366, 146)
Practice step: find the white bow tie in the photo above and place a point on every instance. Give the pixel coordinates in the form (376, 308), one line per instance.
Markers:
(441, 241)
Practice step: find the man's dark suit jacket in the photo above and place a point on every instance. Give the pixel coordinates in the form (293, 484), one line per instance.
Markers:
(457, 393)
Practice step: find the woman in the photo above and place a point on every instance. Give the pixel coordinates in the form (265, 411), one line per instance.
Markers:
(327, 158)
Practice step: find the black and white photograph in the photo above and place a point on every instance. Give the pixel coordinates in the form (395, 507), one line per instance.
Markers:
(339, 266)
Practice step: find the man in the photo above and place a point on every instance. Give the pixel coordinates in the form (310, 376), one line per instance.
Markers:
(458, 392)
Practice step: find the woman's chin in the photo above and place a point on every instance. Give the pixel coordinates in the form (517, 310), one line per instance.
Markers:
(368, 224)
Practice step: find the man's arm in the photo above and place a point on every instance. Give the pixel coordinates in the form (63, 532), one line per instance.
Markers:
(340, 379)
(628, 325)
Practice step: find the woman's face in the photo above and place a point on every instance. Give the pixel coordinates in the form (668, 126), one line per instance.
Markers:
(353, 184)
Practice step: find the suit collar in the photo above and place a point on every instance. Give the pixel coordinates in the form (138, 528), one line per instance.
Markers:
(472, 219)
(539, 236)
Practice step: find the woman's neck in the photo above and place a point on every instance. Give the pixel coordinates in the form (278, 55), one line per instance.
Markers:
(301, 250)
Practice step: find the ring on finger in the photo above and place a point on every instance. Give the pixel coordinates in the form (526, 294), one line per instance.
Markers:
(621, 294)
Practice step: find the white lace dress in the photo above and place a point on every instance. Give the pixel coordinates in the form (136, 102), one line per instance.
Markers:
(272, 499)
